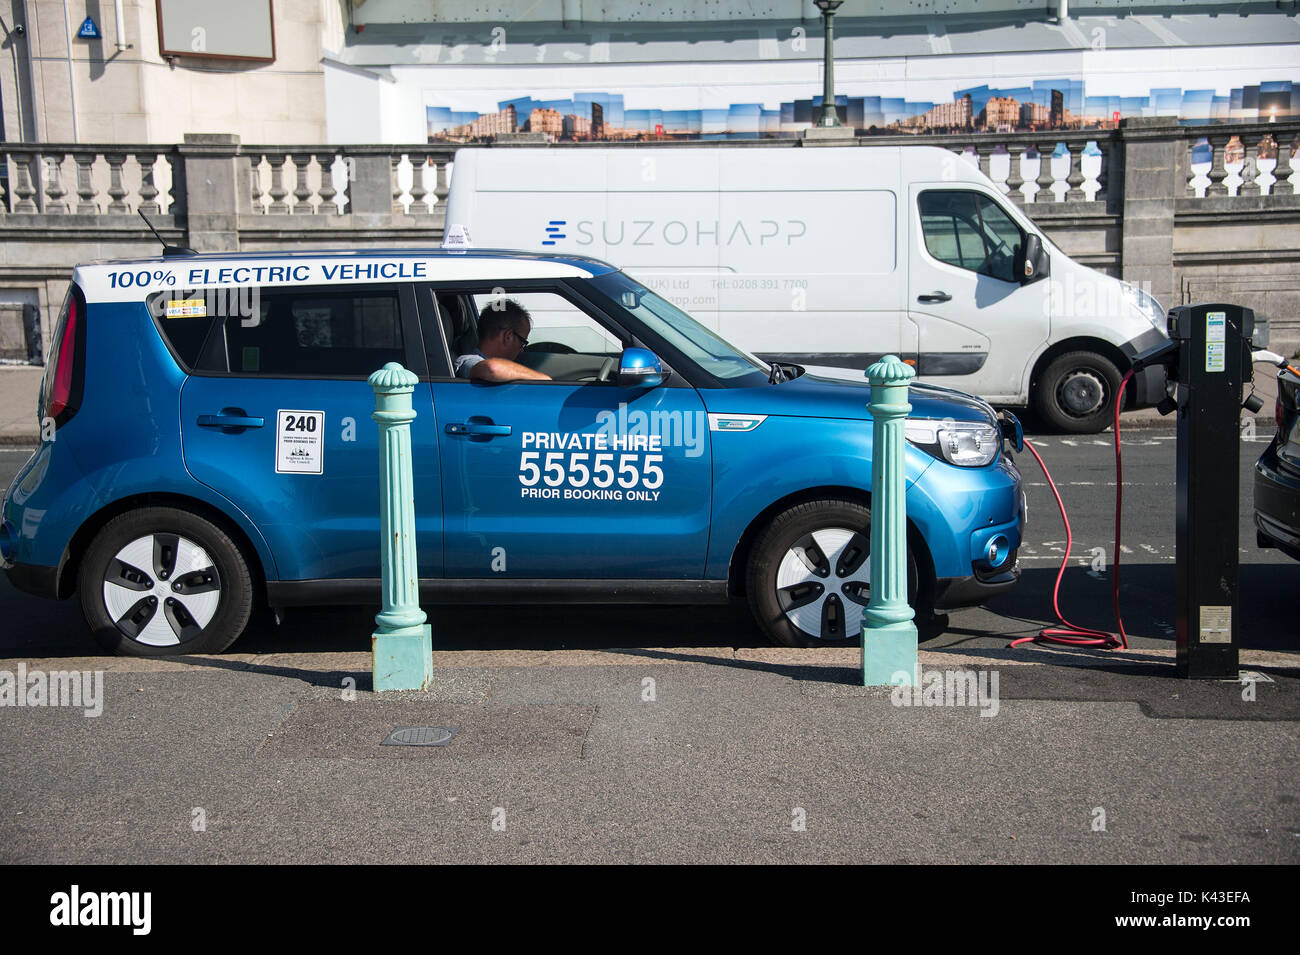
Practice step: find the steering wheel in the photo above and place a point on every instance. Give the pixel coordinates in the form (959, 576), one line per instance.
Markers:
(606, 372)
(998, 263)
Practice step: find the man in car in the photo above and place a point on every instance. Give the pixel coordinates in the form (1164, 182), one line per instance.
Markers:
(503, 329)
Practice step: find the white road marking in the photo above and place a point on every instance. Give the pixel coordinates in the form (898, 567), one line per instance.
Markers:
(1083, 561)
(1099, 484)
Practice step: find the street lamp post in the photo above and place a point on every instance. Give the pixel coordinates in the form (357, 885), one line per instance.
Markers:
(828, 118)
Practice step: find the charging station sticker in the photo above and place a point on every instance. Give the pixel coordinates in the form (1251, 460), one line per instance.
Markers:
(299, 442)
(1216, 625)
(1216, 350)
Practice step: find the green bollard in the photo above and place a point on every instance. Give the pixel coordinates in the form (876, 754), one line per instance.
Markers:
(402, 646)
(888, 630)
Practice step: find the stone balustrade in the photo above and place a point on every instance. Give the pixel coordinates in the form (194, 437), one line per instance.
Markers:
(1241, 161)
(60, 179)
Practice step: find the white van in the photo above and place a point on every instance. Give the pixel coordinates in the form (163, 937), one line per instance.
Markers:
(833, 257)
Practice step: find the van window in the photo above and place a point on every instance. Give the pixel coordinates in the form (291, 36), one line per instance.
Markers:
(971, 231)
(557, 324)
(296, 332)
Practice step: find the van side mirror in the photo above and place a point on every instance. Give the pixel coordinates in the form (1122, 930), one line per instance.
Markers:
(1033, 262)
(639, 368)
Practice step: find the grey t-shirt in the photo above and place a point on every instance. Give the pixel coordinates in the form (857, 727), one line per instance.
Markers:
(465, 363)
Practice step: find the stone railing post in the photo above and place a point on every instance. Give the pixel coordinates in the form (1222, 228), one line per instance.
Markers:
(211, 185)
(1153, 148)
(370, 183)
(888, 630)
(402, 645)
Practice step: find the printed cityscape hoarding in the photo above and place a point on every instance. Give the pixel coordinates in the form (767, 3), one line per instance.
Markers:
(1048, 104)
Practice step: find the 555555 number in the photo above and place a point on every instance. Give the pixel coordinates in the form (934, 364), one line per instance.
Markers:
(571, 468)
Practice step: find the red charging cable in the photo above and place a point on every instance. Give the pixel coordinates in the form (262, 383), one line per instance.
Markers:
(1068, 634)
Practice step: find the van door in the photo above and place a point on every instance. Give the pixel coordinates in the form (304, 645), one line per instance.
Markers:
(574, 478)
(276, 416)
(976, 326)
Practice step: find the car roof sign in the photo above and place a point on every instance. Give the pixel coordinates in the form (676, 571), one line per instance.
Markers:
(132, 281)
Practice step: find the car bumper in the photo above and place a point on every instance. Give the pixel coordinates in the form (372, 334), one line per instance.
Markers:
(1277, 505)
(951, 593)
(34, 579)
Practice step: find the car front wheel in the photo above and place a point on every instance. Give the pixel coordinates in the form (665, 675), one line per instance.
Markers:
(160, 581)
(809, 574)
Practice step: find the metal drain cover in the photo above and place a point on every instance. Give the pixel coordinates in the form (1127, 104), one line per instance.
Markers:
(420, 736)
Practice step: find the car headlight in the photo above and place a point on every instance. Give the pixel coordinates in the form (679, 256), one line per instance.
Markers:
(967, 444)
(1145, 303)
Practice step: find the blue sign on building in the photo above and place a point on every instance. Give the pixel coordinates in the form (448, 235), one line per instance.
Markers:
(88, 30)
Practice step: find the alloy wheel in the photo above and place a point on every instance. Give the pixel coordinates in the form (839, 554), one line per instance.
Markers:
(162, 590)
(824, 582)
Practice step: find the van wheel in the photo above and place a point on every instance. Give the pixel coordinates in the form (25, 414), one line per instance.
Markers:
(810, 574)
(161, 581)
(1076, 392)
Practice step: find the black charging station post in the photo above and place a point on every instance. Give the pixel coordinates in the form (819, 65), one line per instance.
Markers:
(1209, 359)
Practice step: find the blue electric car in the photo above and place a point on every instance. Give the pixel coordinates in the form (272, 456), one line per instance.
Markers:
(208, 445)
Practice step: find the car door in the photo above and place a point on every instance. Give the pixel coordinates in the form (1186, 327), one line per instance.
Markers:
(975, 325)
(574, 478)
(276, 416)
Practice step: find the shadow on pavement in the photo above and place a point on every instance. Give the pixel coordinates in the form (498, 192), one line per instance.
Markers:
(35, 627)
(1147, 603)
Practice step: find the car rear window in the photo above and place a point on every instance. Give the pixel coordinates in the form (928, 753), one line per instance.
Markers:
(184, 319)
(285, 332)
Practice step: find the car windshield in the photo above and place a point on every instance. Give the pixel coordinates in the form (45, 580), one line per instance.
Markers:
(712, 353)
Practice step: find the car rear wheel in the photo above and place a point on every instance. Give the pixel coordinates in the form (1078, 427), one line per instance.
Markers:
(161, 581)
(809, 576)
(1076, 392)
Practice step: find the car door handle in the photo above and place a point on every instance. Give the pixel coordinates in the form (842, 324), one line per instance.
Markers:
(231, 419)
(477, 428)
(934, 297)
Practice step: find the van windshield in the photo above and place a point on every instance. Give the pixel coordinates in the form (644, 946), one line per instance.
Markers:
(712, 353)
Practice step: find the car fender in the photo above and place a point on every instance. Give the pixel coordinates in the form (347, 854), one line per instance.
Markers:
(755, 470)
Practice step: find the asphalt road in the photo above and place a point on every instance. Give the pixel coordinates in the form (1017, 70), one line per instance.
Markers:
(726, 751)
(1084, 469)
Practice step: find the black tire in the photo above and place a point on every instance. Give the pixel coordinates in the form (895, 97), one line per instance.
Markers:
(183, 616)
(1076, 392)
(783, 612)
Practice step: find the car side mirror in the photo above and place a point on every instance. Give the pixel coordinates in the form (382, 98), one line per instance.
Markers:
(1033, 263)
(639, 368)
